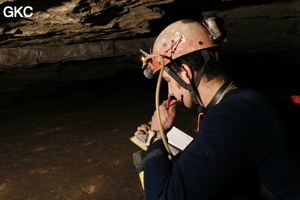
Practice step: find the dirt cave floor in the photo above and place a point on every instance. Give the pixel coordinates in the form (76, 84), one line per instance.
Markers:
(76, 146)
(70, 147)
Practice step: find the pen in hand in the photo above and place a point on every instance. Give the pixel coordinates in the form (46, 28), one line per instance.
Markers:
(168, 101)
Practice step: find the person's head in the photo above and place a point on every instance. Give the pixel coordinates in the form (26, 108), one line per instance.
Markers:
(188, 49)
(185, 73)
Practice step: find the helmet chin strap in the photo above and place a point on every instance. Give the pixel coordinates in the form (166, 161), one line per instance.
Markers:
(207, 55)
(192, 87)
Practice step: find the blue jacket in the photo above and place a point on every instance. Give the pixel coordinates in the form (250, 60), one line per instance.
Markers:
(241, 145)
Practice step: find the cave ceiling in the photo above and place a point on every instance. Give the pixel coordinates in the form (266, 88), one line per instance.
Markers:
(45, 44)
(60, 22)
(56, 26)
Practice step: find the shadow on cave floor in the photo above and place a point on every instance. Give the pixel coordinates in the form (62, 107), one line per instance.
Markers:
(76, 146)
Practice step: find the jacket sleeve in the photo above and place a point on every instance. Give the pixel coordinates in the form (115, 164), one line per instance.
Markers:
(221, 149)
(156, 171)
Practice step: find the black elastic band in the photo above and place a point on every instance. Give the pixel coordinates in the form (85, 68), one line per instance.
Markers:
(216, 97)
(175, 76)
(207, 56)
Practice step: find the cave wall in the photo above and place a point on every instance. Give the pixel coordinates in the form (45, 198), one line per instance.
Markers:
(82, 40)
(86, 29)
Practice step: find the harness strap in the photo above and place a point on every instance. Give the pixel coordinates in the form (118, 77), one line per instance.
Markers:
(140, 166)
(217, 96)
(192, 88)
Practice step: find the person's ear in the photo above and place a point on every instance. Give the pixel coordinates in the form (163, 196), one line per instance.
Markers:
(186, 73)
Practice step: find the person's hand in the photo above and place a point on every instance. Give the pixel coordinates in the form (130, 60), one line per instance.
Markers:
(143, 129)
(167, 116)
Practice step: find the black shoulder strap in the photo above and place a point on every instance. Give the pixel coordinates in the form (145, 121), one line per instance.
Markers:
(216, 97)
(233, 92)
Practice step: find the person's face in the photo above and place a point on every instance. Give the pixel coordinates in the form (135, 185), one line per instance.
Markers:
(182, 95)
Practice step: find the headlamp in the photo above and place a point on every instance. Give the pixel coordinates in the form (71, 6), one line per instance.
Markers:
(148, 69)
(148, 73)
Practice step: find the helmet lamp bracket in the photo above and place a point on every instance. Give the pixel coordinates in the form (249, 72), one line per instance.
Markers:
(212, 26)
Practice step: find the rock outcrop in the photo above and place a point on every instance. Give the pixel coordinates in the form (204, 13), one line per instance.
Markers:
(62, 30)
(47, 43)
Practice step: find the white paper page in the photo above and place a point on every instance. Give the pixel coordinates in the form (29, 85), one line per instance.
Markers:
(174, 150)
(178, 138)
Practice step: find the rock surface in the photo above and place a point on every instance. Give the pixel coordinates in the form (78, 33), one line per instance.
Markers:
(81, 40)
(63, 30)
(63, 22)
